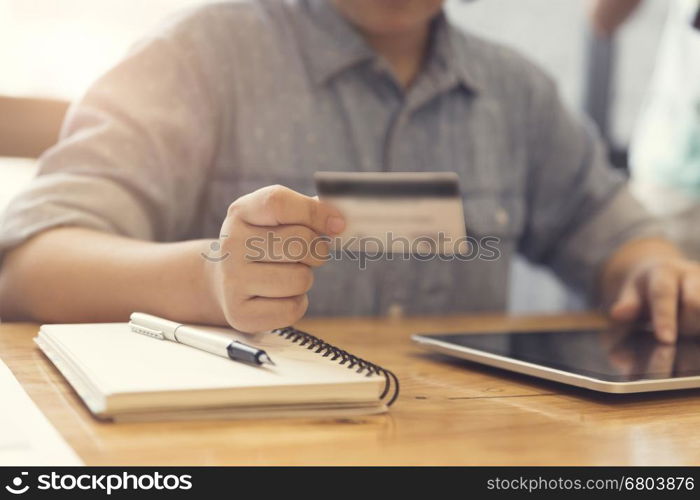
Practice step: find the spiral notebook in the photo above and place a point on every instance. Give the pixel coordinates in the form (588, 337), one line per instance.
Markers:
(126, 376)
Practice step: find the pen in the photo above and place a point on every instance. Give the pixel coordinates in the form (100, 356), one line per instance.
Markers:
(199, 338)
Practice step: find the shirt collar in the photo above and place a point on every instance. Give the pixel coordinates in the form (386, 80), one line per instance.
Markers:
(451, 58)
(333, 45)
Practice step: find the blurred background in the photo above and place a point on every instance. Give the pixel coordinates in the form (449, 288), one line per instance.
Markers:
(51, 50)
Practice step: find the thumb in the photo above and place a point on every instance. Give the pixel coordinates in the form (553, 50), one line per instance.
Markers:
(335, 221)
(628, 305)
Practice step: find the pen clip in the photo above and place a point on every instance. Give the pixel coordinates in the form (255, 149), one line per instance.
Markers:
(156, 334)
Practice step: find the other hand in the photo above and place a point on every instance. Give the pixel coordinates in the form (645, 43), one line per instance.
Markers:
(666, 290)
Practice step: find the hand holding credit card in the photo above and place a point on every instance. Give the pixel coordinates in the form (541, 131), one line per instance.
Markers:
(397, 212)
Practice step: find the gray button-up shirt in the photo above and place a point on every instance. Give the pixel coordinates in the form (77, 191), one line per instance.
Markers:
(235, 96)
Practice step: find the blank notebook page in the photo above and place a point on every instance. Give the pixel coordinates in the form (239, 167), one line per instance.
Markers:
(117, 360)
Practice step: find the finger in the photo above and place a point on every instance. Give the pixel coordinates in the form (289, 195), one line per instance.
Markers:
(663, 294)
(690, 303)
(260, 314)
(292, 243)
(278, 205)
(629, 303)
(276, 280)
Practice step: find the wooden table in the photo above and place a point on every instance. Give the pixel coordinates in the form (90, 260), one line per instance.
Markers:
(449, 412)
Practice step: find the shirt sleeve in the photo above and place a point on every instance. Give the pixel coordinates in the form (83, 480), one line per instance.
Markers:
(133, 154)
(580, 209)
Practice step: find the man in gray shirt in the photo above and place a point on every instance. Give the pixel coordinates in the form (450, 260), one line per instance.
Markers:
(215, 124)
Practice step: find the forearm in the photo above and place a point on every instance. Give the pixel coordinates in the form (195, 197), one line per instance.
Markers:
(608, 15)
(79, 275)
(628, 258)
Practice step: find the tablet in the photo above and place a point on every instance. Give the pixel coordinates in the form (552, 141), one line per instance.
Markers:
(601, 360)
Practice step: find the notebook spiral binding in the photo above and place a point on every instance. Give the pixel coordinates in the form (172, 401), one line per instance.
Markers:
(311, 342)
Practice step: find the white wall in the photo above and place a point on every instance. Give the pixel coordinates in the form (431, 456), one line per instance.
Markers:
(55, 48)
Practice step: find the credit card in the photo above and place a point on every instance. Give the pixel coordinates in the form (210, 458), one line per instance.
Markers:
(397, 212)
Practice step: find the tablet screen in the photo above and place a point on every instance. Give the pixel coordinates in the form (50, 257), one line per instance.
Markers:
(604, 355)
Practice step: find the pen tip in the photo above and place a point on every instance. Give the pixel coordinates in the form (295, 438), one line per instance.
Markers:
(266, 359)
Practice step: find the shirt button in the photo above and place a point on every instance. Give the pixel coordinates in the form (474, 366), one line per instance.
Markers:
(502, 217)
